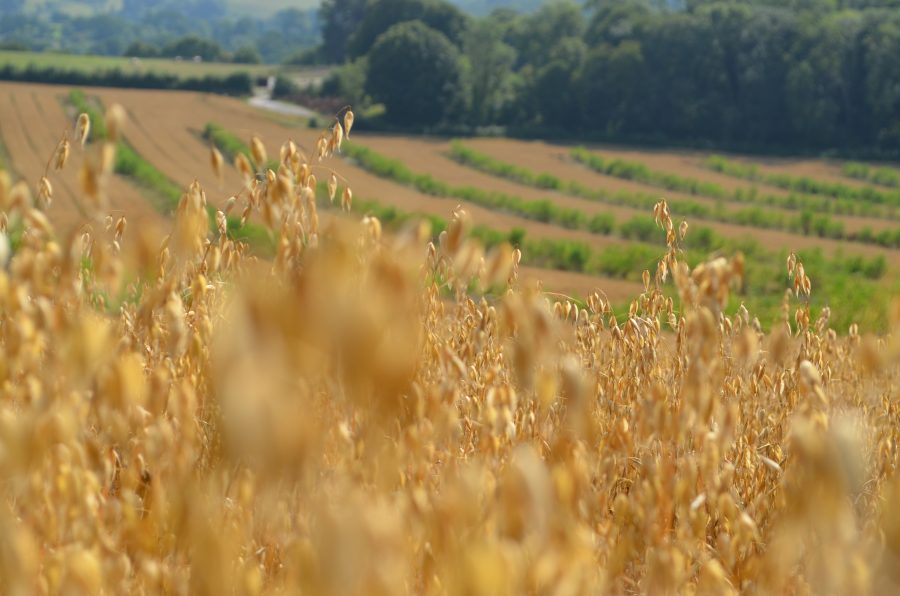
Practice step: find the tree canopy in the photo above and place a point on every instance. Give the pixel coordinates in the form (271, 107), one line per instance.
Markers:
(752, 73)
(415, 71)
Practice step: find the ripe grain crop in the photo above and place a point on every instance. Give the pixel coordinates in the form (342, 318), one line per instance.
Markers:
(375, 411)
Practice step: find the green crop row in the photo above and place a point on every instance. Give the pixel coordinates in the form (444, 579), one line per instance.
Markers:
(792, 202)
(542, 210)
(807, 222)
(803, 184)
(883, 176)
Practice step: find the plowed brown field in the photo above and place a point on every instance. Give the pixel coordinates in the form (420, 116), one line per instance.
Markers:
(32, 121)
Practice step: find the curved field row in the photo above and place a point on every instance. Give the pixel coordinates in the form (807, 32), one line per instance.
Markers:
(555, 159)
(428, 156)
(32, 123)
(820, 169)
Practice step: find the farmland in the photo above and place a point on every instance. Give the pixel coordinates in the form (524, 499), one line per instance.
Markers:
(589, 227)
(354, 393)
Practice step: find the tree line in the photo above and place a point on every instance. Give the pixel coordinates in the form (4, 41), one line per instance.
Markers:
(795, 74)
(154, 27)
(236, 84)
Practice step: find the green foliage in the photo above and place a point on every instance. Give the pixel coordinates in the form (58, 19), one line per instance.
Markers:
(639, 172)
(804, 183)
(489, 74)
(884, 176)
(225, 142)
(167, 27)
(340, 20)
(806, 223)
(700, 73)
(246, 54)
(193, 45)
(380, 16)
(641, 228)
(348, 82)
(284, 88)
(233, 84)
(537, 210)
(415, 72)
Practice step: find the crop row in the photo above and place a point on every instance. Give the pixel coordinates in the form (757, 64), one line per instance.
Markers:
(803, 184)
(884, 176)
(807, 222)
(638, 172)
(237, 84)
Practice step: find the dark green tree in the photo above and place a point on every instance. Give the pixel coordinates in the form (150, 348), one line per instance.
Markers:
(191, 45)
(415, 72)
(247, 54)
(340, 19)
(381, 15)
(490, 71)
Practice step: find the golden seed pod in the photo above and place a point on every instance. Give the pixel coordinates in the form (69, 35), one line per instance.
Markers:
(337, 136)
(20, 196)
(83, 128)
(242, 165)
(217, 161)
(62, 154)
(221, 223)
(258, 151)
(45, 191)
(348, 122)
(115, 122)
(332, 186)
(347, 199)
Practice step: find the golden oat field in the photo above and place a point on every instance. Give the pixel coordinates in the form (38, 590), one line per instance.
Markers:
(268, 386)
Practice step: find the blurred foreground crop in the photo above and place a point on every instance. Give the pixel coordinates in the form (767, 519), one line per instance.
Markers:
(356, 416)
